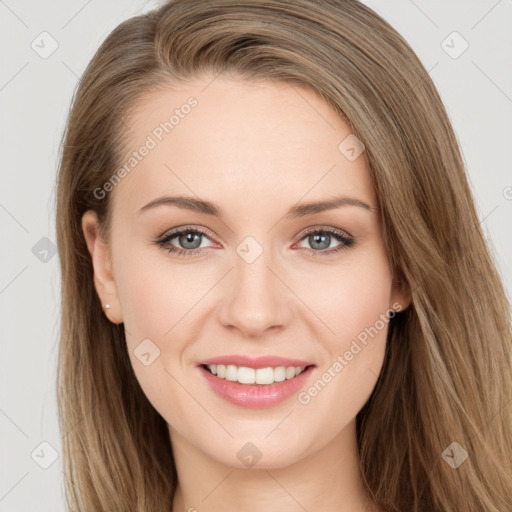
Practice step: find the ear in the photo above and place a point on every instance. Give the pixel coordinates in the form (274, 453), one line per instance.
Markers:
(400, 298)
(102, 267)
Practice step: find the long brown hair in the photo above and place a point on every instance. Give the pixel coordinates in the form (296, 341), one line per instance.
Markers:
(447, 374)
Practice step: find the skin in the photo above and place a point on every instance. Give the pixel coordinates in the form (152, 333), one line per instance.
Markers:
(256, 149)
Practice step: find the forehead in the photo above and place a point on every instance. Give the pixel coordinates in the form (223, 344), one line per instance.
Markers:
(232, 140)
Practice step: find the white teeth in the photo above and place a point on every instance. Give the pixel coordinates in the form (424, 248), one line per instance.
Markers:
(231, 372)
(265, 376)
(245, 375)
(279, 374)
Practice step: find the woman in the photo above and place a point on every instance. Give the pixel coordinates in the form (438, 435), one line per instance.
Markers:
(276, 294)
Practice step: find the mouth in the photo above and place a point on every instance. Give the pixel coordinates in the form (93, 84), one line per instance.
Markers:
(255, 376)
(252, 392)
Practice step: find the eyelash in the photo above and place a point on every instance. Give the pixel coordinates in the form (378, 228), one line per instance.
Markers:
(163, 242)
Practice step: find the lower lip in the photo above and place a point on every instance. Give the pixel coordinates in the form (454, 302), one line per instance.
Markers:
(256, 396)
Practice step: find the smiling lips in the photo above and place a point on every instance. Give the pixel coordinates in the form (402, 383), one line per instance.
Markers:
(255, 370)
(255, 382)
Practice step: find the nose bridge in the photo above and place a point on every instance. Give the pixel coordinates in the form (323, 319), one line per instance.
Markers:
(256, 299)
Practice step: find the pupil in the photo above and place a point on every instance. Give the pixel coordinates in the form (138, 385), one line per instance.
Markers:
(188, 238)
(317, 239)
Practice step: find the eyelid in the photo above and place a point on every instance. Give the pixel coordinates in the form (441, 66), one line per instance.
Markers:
(323, 227)
(173, 233)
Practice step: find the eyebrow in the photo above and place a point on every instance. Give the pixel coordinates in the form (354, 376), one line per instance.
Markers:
(299, 210)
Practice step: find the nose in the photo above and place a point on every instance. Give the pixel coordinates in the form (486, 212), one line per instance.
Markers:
(255, 299)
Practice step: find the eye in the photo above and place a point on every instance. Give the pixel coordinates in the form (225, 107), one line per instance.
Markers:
(190, 240)
(321, 239)
(187, 241)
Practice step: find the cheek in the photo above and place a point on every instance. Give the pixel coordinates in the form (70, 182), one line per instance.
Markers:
(159, 301)
(358, 313)
(144, 302)
(155, 312)
(351, 296)
(154, 292)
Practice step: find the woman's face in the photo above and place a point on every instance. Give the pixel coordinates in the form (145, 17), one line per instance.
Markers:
(267, 276)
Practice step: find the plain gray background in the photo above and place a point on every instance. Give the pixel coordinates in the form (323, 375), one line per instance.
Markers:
(35, 94)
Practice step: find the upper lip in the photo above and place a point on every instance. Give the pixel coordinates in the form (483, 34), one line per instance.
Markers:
(255, 362)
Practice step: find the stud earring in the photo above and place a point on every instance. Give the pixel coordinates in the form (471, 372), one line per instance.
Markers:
(106, 306)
